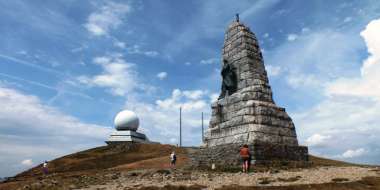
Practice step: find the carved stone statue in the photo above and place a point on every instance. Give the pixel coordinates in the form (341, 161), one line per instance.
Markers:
(229, 83)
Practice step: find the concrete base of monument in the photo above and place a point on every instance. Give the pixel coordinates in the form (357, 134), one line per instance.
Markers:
(127, 137)
(226, 157)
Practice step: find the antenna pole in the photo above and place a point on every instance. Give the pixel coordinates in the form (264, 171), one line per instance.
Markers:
(202, 129)
(180, 126)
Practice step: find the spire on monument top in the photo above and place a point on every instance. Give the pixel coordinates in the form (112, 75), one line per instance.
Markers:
(237, 17)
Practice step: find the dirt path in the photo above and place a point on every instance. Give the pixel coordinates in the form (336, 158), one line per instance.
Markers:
(211, 180)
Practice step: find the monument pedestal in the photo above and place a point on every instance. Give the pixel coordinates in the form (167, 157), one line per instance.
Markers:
(226, 157)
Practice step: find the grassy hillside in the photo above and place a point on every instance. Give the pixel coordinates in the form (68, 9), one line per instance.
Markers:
(318, 161)
(137, 156)
(101, 164)
(113, 157)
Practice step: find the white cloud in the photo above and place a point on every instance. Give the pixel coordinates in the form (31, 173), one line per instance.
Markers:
(317, 140)
(266, 35)
(30, 129)
(214, 97)
(192, 100)
(194, 94)
(187, 63)
(367, 84)
(162, 75)
(273, 70)
(162, 117)
(292, 37)
(209, 61)
(354, 153)
(107, 17)
(118, 75)
(27, 162)
(350, 110)
(136, 49)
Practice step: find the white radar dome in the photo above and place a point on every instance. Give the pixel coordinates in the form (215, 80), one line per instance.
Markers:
(126, 120)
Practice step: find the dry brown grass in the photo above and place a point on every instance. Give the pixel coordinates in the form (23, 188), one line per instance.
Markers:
(368, 183)
(111, 159)
(318, 161)
(117, 157)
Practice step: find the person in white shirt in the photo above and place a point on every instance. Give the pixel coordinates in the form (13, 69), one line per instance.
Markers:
(45, 168)
(173, 159)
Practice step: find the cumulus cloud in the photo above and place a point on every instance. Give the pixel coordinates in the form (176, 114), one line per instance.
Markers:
(162, 75)
(31, 129)
(317, 140)
(118, 75)
(161, 118)
(349, 111)
(214, 97)
(107, 17)
(27, 162)
(354, 153)
(194, 94)
(367, 84)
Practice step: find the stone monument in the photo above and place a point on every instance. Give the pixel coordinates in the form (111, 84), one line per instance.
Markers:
(245, 112)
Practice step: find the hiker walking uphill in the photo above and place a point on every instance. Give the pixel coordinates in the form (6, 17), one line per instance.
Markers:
(245, 157)
(173, 159)
(45, 170)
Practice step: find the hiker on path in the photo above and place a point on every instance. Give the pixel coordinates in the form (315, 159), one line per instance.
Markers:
(173, 159)
(245, 157)
(45, 168)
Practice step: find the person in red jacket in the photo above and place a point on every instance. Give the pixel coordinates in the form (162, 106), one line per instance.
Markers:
(245, 155)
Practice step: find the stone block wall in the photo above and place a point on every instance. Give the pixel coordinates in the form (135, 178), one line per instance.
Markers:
(226, 156)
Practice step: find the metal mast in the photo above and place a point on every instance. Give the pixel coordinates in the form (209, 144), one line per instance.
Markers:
(202, 129)
(180, 126)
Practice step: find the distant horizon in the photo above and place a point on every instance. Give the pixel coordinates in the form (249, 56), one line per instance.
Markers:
(68, 67)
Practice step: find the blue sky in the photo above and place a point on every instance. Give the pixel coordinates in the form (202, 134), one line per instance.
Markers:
(67, 67)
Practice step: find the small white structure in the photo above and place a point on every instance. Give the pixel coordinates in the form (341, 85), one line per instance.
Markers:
(126, 124)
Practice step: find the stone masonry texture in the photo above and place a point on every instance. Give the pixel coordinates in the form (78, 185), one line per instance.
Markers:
(248, 116)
